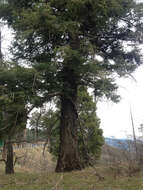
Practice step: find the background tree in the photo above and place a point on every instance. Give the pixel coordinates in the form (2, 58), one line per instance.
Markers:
(48, 125)
(35, 122)
(16, 93)
(63, 40)
(90, 134)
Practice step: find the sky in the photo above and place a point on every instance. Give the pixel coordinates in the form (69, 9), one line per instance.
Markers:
(115, 118)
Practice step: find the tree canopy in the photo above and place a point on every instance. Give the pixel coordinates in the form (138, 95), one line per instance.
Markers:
(54, 32)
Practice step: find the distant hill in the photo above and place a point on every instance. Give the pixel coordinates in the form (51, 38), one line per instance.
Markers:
(117, 143)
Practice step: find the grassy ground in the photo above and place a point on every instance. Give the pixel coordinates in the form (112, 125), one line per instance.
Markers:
(35, 172)
(79, 180)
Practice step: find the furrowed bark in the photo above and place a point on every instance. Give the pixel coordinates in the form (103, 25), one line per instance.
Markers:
(68, 156)
(68, 153)
(9, 167)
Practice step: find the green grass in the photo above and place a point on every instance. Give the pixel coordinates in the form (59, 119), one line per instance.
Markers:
(78, 180)
(31, 174)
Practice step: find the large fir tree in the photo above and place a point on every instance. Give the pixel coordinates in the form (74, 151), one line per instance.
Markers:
(63, 40)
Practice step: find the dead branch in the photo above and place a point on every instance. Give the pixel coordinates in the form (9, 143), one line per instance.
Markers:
(58, 182)
(16, 159)
(45, 144)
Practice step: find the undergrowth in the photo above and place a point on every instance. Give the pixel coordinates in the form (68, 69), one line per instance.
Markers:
(87, 179)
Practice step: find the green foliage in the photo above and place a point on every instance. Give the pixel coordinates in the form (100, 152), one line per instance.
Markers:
(50, 120)
(16, 91)
(1, 143)
(90, 134)
(52, 33)
(46, 123)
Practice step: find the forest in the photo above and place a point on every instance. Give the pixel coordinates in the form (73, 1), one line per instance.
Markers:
(65, 57)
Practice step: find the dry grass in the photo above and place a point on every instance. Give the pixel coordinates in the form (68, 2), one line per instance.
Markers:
(78, 180)
(32, 159)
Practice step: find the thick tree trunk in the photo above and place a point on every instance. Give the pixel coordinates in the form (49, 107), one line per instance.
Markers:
(68, 159)
(9, 168)
(68, 156)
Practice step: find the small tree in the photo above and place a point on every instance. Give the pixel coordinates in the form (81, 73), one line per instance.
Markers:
(90, 133)
(15, 93)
